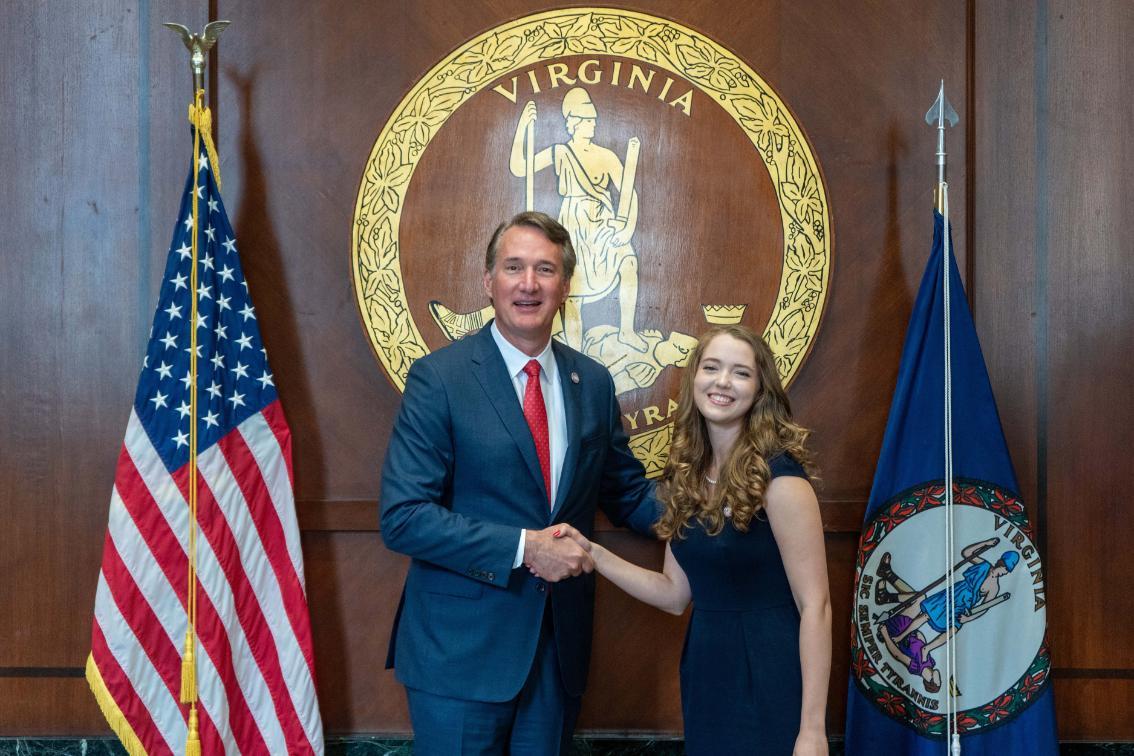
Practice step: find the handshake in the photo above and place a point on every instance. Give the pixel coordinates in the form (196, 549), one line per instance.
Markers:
(559, 552)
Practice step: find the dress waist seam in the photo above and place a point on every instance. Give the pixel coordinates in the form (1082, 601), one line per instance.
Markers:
(743, 610)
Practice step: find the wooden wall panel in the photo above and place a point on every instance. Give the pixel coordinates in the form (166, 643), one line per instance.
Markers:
(1004, 294)
(94, 115)
(37, 704)
(636, 654)
(1091, 319)
(295, 130)
(1053, 275)
(352, 580)
(875, 148)
(1094, 708)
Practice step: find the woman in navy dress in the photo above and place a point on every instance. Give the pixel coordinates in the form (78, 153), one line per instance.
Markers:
(745, 544)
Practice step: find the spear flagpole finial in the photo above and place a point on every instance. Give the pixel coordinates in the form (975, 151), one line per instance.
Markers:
(940, 113)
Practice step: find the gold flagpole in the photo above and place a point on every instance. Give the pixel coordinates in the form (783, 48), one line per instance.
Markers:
(201, 118)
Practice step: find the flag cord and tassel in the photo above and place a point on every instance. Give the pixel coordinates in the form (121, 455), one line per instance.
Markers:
(201, 119)
(941, 113)
(954, 739)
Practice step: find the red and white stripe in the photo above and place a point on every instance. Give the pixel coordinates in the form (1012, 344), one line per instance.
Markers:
(255, 667)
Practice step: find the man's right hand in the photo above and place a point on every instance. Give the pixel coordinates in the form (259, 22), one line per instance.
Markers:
(554, 553)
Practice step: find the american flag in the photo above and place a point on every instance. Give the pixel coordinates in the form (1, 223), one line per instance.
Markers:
(254, 664)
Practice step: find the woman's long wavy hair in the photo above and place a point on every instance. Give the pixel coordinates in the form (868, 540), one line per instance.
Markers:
(744, 475)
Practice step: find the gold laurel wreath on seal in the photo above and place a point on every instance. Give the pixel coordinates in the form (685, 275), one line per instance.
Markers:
(661, 43)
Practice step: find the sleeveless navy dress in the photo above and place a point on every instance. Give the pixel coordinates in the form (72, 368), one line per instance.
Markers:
(741, 687)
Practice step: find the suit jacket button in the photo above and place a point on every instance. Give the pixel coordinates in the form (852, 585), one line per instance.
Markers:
(541, 587)
(492, 576)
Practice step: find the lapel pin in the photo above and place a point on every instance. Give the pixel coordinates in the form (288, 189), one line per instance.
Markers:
(574, 377)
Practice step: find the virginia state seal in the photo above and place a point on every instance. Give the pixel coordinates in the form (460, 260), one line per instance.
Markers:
(691, 194)
(903, 620)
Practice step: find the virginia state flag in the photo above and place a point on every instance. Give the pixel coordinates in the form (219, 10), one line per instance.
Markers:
(903, 627)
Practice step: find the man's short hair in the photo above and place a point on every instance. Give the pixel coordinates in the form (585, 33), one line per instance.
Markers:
(542, 222)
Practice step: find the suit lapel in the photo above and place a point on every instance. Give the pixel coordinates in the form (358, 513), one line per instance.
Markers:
(572, 398)
(490, 371)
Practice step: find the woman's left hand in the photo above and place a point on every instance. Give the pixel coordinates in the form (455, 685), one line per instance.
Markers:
(810, 743)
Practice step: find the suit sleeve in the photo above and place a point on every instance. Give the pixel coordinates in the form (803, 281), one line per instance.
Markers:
(416, 515)
(626, 496)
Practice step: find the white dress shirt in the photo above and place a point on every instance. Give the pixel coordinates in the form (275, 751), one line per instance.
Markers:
(552, 388)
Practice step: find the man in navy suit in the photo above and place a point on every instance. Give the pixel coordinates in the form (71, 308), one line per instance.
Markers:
(500, 435)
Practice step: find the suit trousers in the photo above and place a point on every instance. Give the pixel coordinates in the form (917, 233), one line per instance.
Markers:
(540, 721)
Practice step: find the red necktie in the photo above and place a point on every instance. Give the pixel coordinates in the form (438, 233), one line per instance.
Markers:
(535, 412)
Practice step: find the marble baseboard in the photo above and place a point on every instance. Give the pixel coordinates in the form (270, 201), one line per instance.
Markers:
(379, 746)
(60, 747)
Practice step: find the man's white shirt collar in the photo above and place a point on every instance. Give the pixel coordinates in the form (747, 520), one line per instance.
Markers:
(515, 360)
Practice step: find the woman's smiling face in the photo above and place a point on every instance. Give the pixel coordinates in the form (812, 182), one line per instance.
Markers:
(726, 383)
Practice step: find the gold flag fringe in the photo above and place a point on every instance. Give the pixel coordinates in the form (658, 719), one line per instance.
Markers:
(110, 711)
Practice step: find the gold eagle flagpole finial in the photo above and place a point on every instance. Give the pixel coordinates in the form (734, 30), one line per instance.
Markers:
(198, 45)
